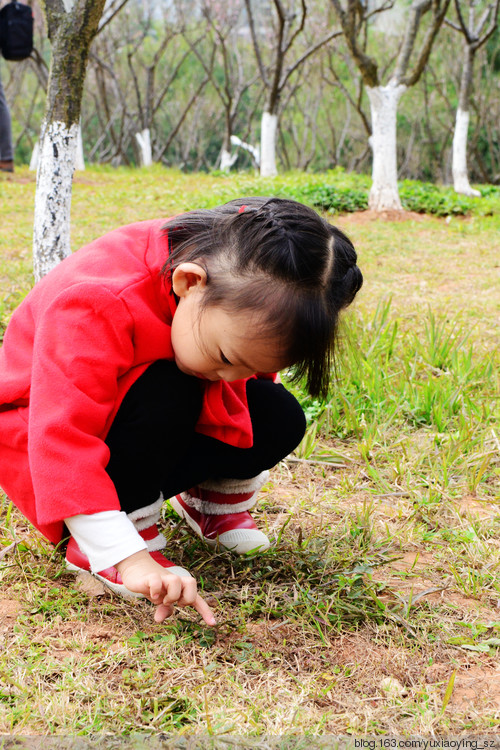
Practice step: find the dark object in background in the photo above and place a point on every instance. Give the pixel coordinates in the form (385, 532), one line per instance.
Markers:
(16, 31)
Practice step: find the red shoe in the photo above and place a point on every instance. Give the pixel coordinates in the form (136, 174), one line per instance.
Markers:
(76, 560)
(233, 531)
(6, 166)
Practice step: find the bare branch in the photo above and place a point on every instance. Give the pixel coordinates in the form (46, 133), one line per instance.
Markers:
(308, 54)
(299, 29)
(492, 27)
(366, 65)
(137, 89)
(184, 114)
(355, 103)
(280, 10)
(480, 24)
(473, 37)
(39, 65)
(452, 25)
(208, 68)
(104, 22)
(387, 5)
(417, 10)
(463, 25)
(426, 48)
(255, 43)
(168, 83)
(274, 89)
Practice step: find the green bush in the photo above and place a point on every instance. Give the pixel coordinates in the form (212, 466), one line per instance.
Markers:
(426, 198)
(335, 200)
(490, 191)
(421, 197)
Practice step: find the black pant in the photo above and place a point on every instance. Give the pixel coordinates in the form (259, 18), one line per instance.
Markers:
(154, 447)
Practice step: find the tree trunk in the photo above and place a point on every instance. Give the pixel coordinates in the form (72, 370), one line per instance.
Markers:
(56, 164)
(71, 26)
(143, 140)
(269, 127)
(384, 194)
(79, 157)
(459, 166)
(459, 163)
(227, 158)
(254, 151)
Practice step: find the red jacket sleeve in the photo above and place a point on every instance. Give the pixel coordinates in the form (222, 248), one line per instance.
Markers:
(83, 343)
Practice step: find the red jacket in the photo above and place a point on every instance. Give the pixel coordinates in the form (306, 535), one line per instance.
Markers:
(72, 350)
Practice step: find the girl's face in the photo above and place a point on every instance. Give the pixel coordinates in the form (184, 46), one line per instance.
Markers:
(212, 343)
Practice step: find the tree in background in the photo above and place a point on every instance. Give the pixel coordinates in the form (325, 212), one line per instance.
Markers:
(71, 26)
(339, 71)
(142, 84)
(148, 98)
(286, 28)
(226, 62)
(147, 42)
(476, 33)
(356, 18)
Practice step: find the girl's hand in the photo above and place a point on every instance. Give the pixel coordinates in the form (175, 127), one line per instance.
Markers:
(142, 574)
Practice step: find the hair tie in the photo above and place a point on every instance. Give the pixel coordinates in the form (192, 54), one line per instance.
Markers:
(241, 209)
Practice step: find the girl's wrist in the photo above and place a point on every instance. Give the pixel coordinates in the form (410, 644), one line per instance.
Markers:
(105, 537)
(138, 558)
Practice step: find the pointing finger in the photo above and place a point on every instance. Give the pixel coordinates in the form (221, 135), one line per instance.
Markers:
(202, 607)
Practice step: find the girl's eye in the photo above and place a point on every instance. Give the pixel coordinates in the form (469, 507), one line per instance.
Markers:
(224, 358)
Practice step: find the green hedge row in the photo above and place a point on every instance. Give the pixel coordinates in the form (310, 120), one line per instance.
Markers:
(421, 197)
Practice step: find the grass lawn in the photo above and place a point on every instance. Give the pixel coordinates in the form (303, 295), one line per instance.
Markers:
(378, 609)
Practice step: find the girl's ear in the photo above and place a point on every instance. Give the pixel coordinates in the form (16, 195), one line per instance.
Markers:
(188, 277)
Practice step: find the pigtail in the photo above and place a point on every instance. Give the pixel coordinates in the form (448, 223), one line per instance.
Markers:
(346, 278)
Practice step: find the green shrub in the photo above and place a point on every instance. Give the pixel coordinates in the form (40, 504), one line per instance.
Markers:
(490, 191)
(426, 198)
(335, 200)
(421, 197)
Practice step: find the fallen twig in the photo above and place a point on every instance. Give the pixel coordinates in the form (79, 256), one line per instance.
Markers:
(6, 550)
(331, 464)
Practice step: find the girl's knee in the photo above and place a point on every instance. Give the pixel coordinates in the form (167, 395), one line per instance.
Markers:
(292, 415)
(163, 396)
(277, 416)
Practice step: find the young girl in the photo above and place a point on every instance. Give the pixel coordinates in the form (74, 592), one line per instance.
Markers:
(142, 368)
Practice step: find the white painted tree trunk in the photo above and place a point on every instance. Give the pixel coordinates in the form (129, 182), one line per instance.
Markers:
(144, 143)
(227, 160)
(268, 131)
(384, 194)
(459, 165)
(79, 159)
(35, 156)
(254, 151)
(56, 164)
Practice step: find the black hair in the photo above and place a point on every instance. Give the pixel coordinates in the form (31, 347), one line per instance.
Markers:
(280, 259)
